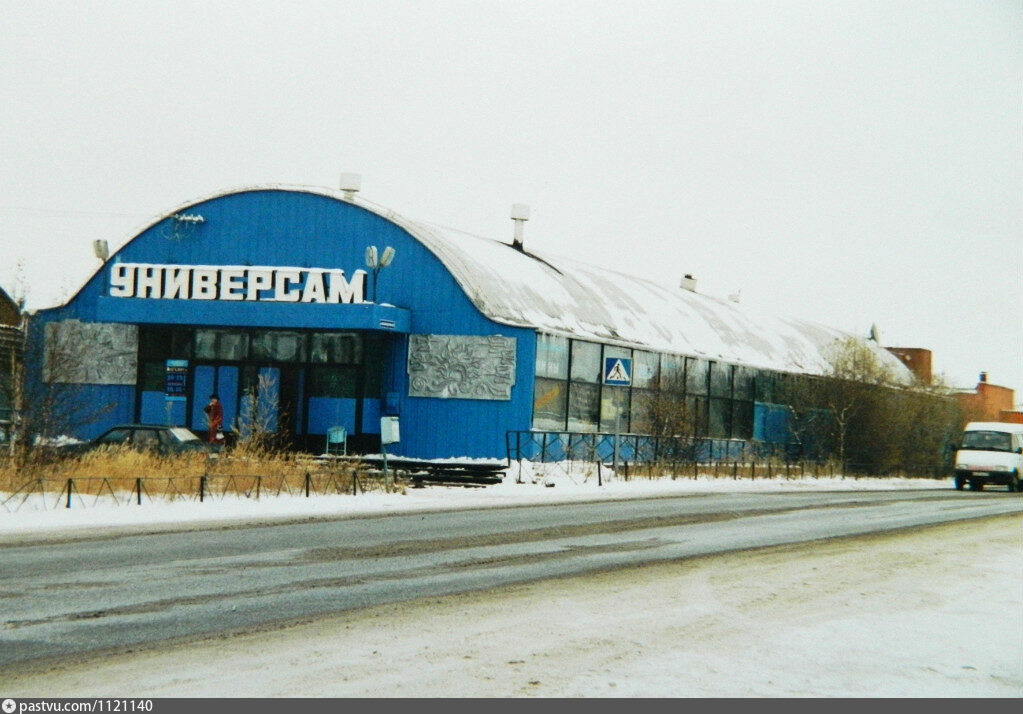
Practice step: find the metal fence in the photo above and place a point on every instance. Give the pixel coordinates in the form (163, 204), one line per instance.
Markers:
(638, 454)
(88, 491)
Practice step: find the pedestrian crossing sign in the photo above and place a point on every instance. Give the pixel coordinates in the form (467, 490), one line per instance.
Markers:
(617, 371)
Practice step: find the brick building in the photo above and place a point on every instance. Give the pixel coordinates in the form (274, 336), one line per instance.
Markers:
(989, 402)
(917, 359)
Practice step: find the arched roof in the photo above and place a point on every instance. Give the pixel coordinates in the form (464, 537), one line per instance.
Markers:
(561, 296)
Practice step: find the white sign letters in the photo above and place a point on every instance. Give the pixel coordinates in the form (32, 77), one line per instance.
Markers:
(245, 283)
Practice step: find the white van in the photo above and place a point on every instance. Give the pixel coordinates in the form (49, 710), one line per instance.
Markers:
(991, 452)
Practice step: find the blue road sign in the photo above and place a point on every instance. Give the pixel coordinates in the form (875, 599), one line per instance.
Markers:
(617, 371)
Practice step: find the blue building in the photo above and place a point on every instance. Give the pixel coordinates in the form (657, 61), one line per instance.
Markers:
(311, 308)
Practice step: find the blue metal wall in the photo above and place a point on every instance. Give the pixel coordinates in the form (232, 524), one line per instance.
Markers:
(771, 423)
(298, 229)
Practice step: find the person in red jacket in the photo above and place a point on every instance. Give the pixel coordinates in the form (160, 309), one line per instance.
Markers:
(214, 418)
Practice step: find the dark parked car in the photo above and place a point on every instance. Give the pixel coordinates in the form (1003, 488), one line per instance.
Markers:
(163, 440)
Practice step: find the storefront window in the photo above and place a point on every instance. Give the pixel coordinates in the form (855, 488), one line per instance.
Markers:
(336, 382)
(673, 373)
(586, 365)
(552, 357)
(279, 346)
(641, 416)
(697, 372)
(583, 407)
(720, 379)
(742, 420)
(221, 345)
(720, 416)
(742, 382)
(550, 401)
(336, 348)
(696, 411)
(646, 367)
(165, 343)
(784, 388)
(763, 386)
(614, 402)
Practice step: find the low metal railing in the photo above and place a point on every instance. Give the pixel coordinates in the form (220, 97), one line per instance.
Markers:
(56, 493)
(690, 456)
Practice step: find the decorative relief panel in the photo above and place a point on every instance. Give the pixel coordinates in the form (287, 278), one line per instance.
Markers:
(460, 367)
(91, 353)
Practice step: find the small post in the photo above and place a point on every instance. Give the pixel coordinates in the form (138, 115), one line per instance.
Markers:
(138, 490)
(202, 488)
(618, 429)
(70, 486)
(389, 434)
(308, 479)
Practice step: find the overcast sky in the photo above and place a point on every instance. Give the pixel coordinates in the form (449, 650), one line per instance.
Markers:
(851, 163)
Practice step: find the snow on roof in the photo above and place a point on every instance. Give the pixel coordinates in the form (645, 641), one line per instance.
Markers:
(560, 296)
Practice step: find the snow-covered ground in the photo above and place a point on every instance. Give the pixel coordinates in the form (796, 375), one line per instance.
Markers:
(936, 612)
(525, 486)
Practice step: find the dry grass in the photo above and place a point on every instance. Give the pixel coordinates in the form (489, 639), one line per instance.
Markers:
(241, 472)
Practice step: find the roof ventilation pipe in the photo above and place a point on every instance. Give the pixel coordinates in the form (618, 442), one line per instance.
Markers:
(688, 283)
(350, 184)
(519, 214)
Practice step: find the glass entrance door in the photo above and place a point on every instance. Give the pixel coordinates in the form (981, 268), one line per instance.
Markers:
(221, 380)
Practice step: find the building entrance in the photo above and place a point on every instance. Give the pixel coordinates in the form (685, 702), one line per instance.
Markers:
(219, 380)
(287, 387)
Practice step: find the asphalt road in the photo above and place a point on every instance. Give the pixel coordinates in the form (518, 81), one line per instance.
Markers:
(128, 590)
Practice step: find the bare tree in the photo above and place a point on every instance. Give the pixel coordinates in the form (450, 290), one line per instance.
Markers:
(670, 418)
(868, 418)
(810, 423)
(259, 412)
(668, 413)
(855, 388)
